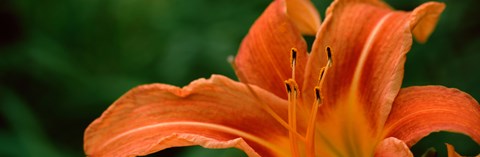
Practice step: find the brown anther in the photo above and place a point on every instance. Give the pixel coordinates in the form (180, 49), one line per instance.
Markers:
(287, 86)
(293, 61)
(293, 57)
(318, 97)
(329, 55)
(291, 86)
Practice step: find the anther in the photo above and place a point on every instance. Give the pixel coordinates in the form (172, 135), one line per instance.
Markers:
(317, 94)
(287, 86)
(291, 86)
(293, 57)
(293, 60)
(329, 55)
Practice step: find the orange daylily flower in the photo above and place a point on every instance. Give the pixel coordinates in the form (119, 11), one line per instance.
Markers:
(342, 99)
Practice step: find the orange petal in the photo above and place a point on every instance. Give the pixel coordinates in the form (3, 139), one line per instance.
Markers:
(213, 113)
(418, 111)
(369, 42)
(264, 55)
(393, 147)
(304, 15)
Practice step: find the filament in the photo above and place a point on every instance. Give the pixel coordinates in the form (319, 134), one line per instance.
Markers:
(292, 90)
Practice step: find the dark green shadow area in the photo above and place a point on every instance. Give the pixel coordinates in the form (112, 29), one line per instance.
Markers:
(198, 151)
(435, 143)
(463, 144)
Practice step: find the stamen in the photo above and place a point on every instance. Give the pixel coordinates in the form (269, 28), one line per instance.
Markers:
(292, 90)
(310, 135)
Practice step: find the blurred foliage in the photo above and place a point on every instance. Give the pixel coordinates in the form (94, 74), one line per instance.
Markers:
(63, 62)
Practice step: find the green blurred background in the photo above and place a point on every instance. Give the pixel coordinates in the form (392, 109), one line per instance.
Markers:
(63, 62)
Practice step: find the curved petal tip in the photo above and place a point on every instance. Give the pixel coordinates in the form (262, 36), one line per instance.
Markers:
(305, 16)
(424, 19)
